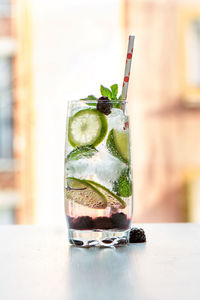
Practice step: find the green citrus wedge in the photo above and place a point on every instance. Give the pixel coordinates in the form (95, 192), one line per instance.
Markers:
(118, 144)
(84, 193)
(112, 199)
(87, 127)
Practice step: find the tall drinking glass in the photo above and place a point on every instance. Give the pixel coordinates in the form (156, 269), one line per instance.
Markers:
(98, 180)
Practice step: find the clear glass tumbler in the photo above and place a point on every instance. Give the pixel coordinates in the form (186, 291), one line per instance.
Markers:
(98, 174)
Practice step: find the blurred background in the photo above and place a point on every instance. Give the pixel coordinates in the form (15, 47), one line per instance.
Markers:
(55, 51)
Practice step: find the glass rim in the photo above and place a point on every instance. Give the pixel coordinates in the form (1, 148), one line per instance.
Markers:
(95, 101)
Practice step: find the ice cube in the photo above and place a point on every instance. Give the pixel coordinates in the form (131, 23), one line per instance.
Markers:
(116, 119)
(101, 167)
(108, 169)
(75, 108)
(78, 168)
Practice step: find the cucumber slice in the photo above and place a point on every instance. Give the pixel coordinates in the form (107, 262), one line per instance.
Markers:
(112, 199)
(87, 127)
(84, 193)
(118, 145)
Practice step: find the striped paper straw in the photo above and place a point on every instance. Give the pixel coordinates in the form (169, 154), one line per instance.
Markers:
(128, 66)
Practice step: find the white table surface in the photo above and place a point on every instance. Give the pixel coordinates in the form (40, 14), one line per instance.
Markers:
(37, 263)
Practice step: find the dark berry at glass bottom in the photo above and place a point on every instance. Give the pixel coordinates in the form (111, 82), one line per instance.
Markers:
(86, 223)
(117, 221)
(98, 181)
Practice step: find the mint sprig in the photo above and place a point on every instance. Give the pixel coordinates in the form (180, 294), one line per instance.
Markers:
(106, 92)
(114, 89)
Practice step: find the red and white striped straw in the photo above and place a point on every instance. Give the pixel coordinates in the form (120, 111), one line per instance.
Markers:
(128, 66)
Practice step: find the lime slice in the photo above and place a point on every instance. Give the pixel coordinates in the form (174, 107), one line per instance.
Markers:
(82, 152)
(118, 144)
(84, 193)
(87, 127)
(112, 199)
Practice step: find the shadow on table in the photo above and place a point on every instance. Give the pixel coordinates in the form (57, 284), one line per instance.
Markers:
(104, 273)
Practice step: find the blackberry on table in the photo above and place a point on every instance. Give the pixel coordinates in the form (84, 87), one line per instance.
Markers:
(104, 105)
(137, 235)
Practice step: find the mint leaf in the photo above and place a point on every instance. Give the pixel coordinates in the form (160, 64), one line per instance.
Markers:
(82, 152)
(118, 102)
(90, 97)
(123, 186)
(114, 89)
(105, 92)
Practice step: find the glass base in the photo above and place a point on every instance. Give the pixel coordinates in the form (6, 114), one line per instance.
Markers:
(98, 238)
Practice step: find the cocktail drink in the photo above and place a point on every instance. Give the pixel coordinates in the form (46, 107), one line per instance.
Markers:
(98, 181)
